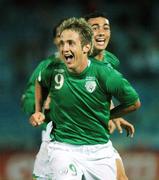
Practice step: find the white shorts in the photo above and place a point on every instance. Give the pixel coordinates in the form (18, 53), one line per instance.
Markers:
(41, 165)
(86, 162)
(46, 132)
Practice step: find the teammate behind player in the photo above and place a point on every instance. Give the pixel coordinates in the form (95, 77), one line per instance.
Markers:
(102, 33)
(41, 168)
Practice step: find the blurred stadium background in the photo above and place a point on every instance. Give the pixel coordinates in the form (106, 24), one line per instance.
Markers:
(26, 38)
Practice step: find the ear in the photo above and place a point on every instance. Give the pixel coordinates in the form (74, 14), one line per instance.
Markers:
(86, 48)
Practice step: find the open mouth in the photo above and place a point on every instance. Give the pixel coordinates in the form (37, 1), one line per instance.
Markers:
(100, 41)
(68, 57)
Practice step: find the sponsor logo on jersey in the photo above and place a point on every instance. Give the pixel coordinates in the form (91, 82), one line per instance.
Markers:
(59, 70)
(90, 78)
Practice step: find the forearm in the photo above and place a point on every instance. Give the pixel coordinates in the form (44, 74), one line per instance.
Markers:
(38, 97)
(120, 110)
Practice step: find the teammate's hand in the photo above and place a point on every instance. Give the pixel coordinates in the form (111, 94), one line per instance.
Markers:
(111, 126)
(37, 119)
(122, 123)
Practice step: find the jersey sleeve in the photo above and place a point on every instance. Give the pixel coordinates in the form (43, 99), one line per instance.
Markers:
(117, 86)
(44, 77)
(27, 99)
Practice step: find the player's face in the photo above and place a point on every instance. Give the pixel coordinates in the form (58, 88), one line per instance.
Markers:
(71, 50)
(101, 31)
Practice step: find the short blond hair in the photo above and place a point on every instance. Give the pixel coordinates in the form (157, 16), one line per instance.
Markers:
(80, 26)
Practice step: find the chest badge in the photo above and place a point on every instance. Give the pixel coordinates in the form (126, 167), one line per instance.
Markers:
(90, 86)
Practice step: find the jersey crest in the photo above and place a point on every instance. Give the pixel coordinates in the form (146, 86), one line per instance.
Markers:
(90, 86)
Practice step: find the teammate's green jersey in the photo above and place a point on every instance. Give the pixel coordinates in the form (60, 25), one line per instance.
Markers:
(80, 103)
(28, 97)
(109, 58)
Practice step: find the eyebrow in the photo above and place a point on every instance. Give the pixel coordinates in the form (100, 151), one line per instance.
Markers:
(106, 24)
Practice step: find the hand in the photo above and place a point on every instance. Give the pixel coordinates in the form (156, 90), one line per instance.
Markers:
(111, 126)
(37, 119)
(120, 122)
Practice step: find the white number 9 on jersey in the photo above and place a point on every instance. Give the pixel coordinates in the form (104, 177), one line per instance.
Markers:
(59, 80)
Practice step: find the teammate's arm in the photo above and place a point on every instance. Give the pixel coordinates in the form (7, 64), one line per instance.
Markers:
(120, 110)
(120, 123)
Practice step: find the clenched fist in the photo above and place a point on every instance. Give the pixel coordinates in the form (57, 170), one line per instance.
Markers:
(37, 119)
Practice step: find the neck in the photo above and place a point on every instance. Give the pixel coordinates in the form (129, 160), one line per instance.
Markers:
(83, 65)
(99, 55)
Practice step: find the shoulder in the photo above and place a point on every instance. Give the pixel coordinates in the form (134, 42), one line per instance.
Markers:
(52, 67)
(44, 62)
(51, 61)
(112, 59)
(111, 55)
(102, 68)
(106, 74)
(52, 58)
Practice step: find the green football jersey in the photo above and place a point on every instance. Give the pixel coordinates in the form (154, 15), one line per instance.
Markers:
(80, 106)
(28, 97)
(110, 58)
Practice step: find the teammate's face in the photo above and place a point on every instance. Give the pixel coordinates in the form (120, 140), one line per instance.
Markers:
(72, 52)
(57, 38)
(101, 31)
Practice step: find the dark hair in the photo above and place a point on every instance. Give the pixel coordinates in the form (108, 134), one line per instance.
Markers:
(95, 14)
(54, 31)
